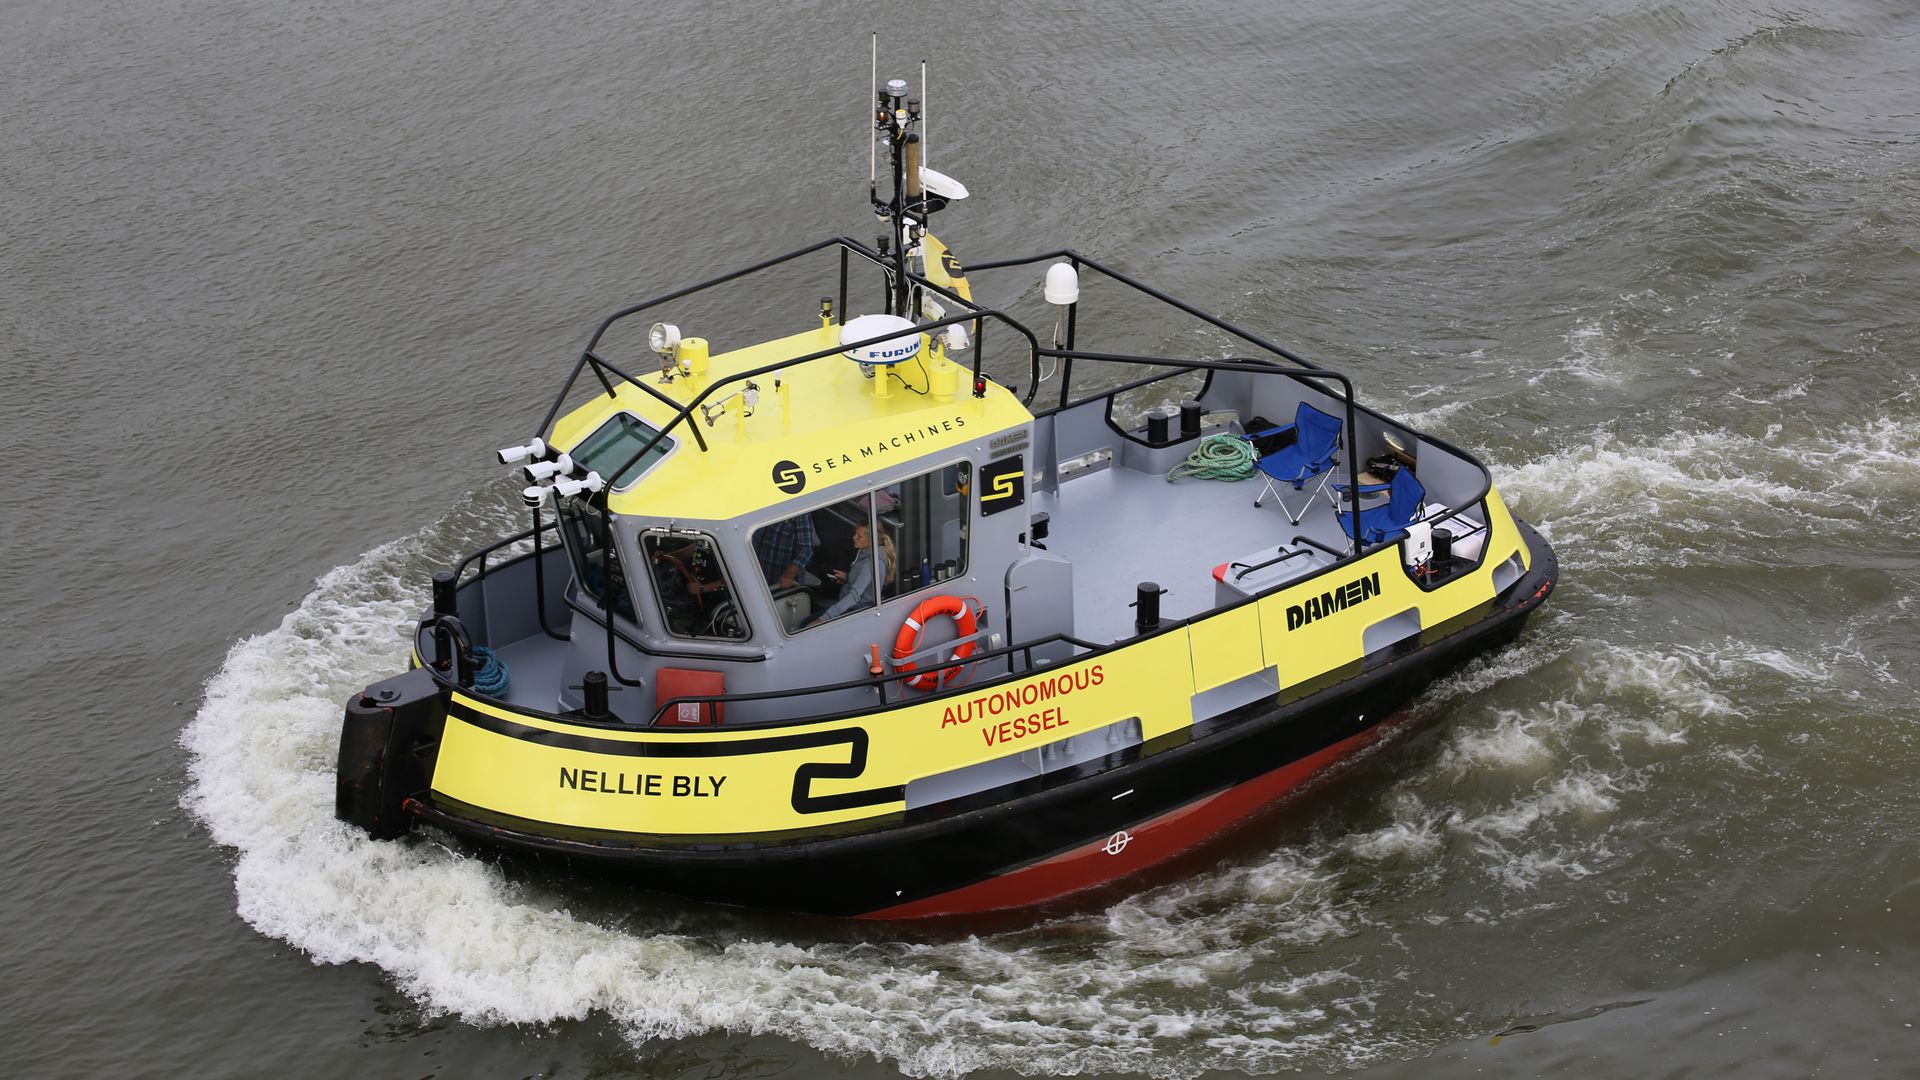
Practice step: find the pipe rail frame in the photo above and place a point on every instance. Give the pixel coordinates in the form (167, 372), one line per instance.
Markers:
(897, 275)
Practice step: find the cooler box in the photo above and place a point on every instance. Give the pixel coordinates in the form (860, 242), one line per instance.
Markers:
(670, 683)
(1469, 532)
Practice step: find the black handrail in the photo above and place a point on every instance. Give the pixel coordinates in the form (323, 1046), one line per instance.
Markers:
(1244, 364)
(973, 313)
(1302, 370)
(1141, 286)
(979, 350)
(877, 683)
(480, 555)
(979, 386)
(841, 242)
(540, 579)
(1338, 555)
(599, 363)
(560, 399)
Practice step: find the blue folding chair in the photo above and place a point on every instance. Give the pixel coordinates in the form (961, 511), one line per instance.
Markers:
(1316, 439)
(1405, 498)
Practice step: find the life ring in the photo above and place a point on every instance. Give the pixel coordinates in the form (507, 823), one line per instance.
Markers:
(908, 642)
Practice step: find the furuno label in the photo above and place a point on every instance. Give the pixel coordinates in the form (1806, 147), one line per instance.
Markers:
(789, 477)
(1003, 485)
(1357, 591)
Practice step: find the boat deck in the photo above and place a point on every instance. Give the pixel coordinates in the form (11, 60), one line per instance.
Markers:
(1122, 527)
(537, 665)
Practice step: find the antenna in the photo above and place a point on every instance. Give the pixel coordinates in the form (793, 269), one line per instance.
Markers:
(923, 112)
(873, 161)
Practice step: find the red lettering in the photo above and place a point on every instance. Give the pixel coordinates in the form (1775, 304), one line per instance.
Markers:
(1037, 691)
(1020, 727)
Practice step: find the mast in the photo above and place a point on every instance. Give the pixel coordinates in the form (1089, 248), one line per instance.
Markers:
(899, 119)
(895, 118)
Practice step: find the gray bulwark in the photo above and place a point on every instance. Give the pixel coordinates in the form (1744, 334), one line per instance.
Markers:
(1079, 749)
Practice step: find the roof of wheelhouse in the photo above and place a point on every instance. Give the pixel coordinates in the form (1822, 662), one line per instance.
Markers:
(831, 427)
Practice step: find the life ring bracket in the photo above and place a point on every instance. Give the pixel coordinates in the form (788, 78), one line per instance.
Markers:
(907, 655)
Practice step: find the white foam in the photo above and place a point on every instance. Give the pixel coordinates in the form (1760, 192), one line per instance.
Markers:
(1792, 667)
(1584, 794)
(1402, 839)
(1513, 742)
(1156, 984)
(1648, 503)
(1677, 682)
(1590, 356)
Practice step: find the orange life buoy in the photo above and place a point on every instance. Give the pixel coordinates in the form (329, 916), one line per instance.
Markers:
(908, 642)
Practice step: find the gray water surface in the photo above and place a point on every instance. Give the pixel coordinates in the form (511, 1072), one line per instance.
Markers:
(276, 279)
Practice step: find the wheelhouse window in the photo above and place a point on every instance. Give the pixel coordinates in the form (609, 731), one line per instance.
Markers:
(927, 517)
(613, 443)
(850, 556)
(695, 594)
(596, 566)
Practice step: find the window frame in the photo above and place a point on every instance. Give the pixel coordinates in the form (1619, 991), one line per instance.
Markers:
(662, 452)
(937, 483)
(720, 558)
(572, 507)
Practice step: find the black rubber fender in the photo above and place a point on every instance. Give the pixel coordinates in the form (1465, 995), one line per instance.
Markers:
(387, 742)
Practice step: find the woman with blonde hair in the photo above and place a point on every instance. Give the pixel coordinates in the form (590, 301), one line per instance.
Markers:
(861, 581)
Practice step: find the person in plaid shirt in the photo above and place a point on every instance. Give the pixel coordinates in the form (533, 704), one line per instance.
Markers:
(785, 548)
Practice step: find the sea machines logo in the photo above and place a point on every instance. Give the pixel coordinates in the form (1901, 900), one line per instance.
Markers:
(1002, 486)
(789, 477)
(1357, 591)
(914, 438)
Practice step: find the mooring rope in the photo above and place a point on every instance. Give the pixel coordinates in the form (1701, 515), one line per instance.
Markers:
(1218, 457)
(491, 676)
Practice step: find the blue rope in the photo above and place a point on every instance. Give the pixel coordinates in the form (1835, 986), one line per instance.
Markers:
(491, 678)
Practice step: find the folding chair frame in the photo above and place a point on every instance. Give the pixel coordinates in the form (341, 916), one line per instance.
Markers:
(1294, 516)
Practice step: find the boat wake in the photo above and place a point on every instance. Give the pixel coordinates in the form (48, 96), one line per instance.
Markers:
(1304, 949)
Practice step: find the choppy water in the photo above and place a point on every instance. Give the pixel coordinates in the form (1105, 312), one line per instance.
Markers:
(274, 282)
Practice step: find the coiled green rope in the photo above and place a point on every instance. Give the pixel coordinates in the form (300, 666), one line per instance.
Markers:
(1218, 457)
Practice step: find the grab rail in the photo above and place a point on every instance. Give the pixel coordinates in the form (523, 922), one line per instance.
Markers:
(876, 683)
(600, 367)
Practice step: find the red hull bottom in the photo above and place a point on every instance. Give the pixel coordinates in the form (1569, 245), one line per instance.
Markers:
(1134, 850)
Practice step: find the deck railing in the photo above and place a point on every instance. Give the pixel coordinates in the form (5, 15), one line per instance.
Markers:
(1294, 367)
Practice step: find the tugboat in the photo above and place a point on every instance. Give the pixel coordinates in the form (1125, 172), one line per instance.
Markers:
(834, 620)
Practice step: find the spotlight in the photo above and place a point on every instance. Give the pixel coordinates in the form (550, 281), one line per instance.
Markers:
(663, 338)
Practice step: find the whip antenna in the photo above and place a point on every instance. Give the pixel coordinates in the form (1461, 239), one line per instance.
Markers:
(924, 141)
(873, 162)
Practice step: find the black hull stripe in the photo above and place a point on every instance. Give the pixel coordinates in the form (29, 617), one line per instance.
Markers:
(870, 865)
(804, 800)
(663, 748)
